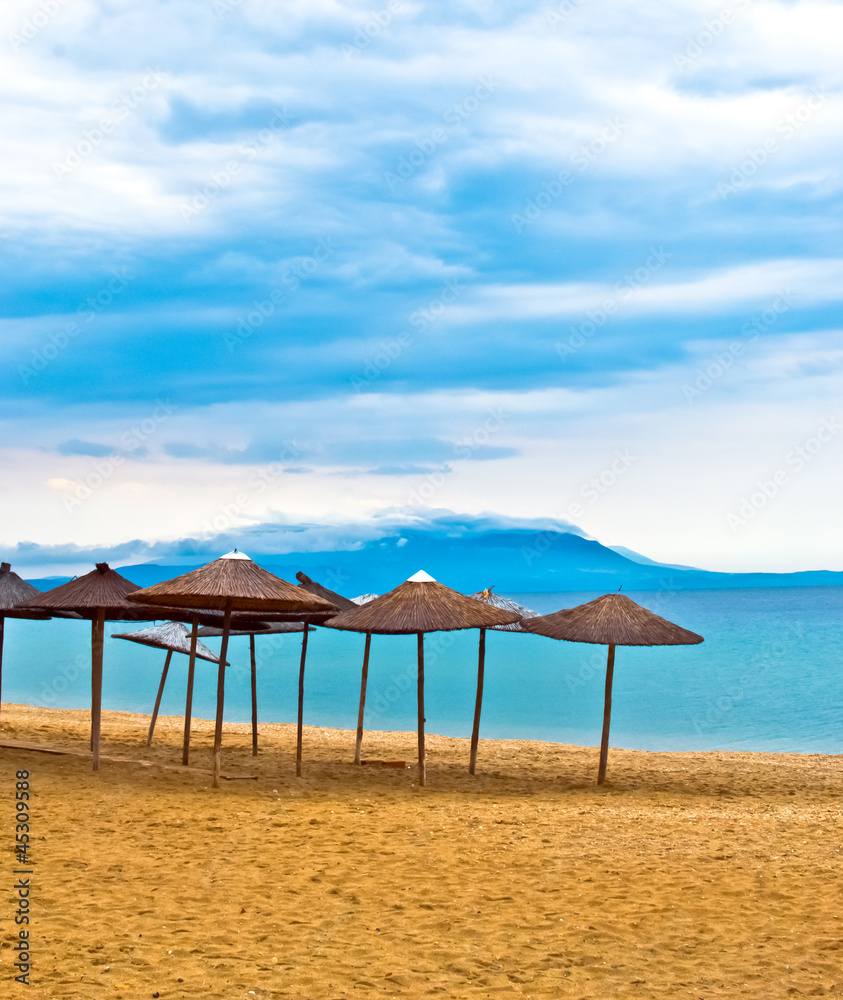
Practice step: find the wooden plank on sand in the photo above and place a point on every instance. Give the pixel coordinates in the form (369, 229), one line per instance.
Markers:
(35, 748)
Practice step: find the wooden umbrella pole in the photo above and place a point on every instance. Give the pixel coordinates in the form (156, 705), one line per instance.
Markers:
(188, 705)
(97, 638)
(478, 704)
(422, 768)
(364, 679)
(254, 697)
(158, 697)
(93, 645)
(607, 716)
(301, 701)
(226, 628)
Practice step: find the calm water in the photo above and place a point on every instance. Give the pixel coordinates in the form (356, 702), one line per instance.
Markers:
(768, 676)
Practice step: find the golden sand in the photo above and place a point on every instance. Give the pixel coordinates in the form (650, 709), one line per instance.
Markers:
(687, 875)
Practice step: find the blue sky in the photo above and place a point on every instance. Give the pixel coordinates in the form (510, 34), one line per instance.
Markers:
(278, 262)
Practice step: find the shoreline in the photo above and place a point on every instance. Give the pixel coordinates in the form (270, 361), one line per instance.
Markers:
(538, 761)
(126, 721)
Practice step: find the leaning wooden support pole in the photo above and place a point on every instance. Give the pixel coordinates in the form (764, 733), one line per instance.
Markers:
(158, 697)
(97, 638)
(607, 716)
(364, 679)
(188, 705)
(254, 697)
(301, 701)
(422, 768)
(478, 704)
(226, 628)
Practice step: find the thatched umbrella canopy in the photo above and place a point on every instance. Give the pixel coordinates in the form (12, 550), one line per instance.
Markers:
(312, 587)
(175, 638)
(420, 605)
(103, 590)
(494, 601)
(14, 591)
(232, 583)
(612, 620)
(172, 636)
(256, 628)
(99, 595)
(251, 630)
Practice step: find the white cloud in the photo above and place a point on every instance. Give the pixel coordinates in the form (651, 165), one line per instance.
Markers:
(812, 282)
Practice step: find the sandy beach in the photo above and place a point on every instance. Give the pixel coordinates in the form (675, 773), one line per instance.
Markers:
(688, 874)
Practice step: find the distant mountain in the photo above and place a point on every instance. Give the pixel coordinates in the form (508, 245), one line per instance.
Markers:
(636, 557)
(474, 554)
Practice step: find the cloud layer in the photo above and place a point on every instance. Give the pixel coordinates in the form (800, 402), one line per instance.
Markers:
(329, 259)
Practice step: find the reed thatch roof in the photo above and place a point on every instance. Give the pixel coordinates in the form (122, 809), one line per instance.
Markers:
(257, 628)
(611, 619)
(420, 604)
(14, 591)
(101, 589)
(312, 587)
(496, 601)
(234, 581)
(248, 622)
(171, 636)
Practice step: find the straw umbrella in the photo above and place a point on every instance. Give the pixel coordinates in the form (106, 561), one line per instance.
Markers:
(257, 628)
(175, 638)
(99, 595)
(612, 620)
(420, 605)
(14, 591)
(494, 601)
(233, 583)
(344, 604)
(312, 587)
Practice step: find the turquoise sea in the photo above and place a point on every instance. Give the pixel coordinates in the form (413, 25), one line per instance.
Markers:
(769, 676)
